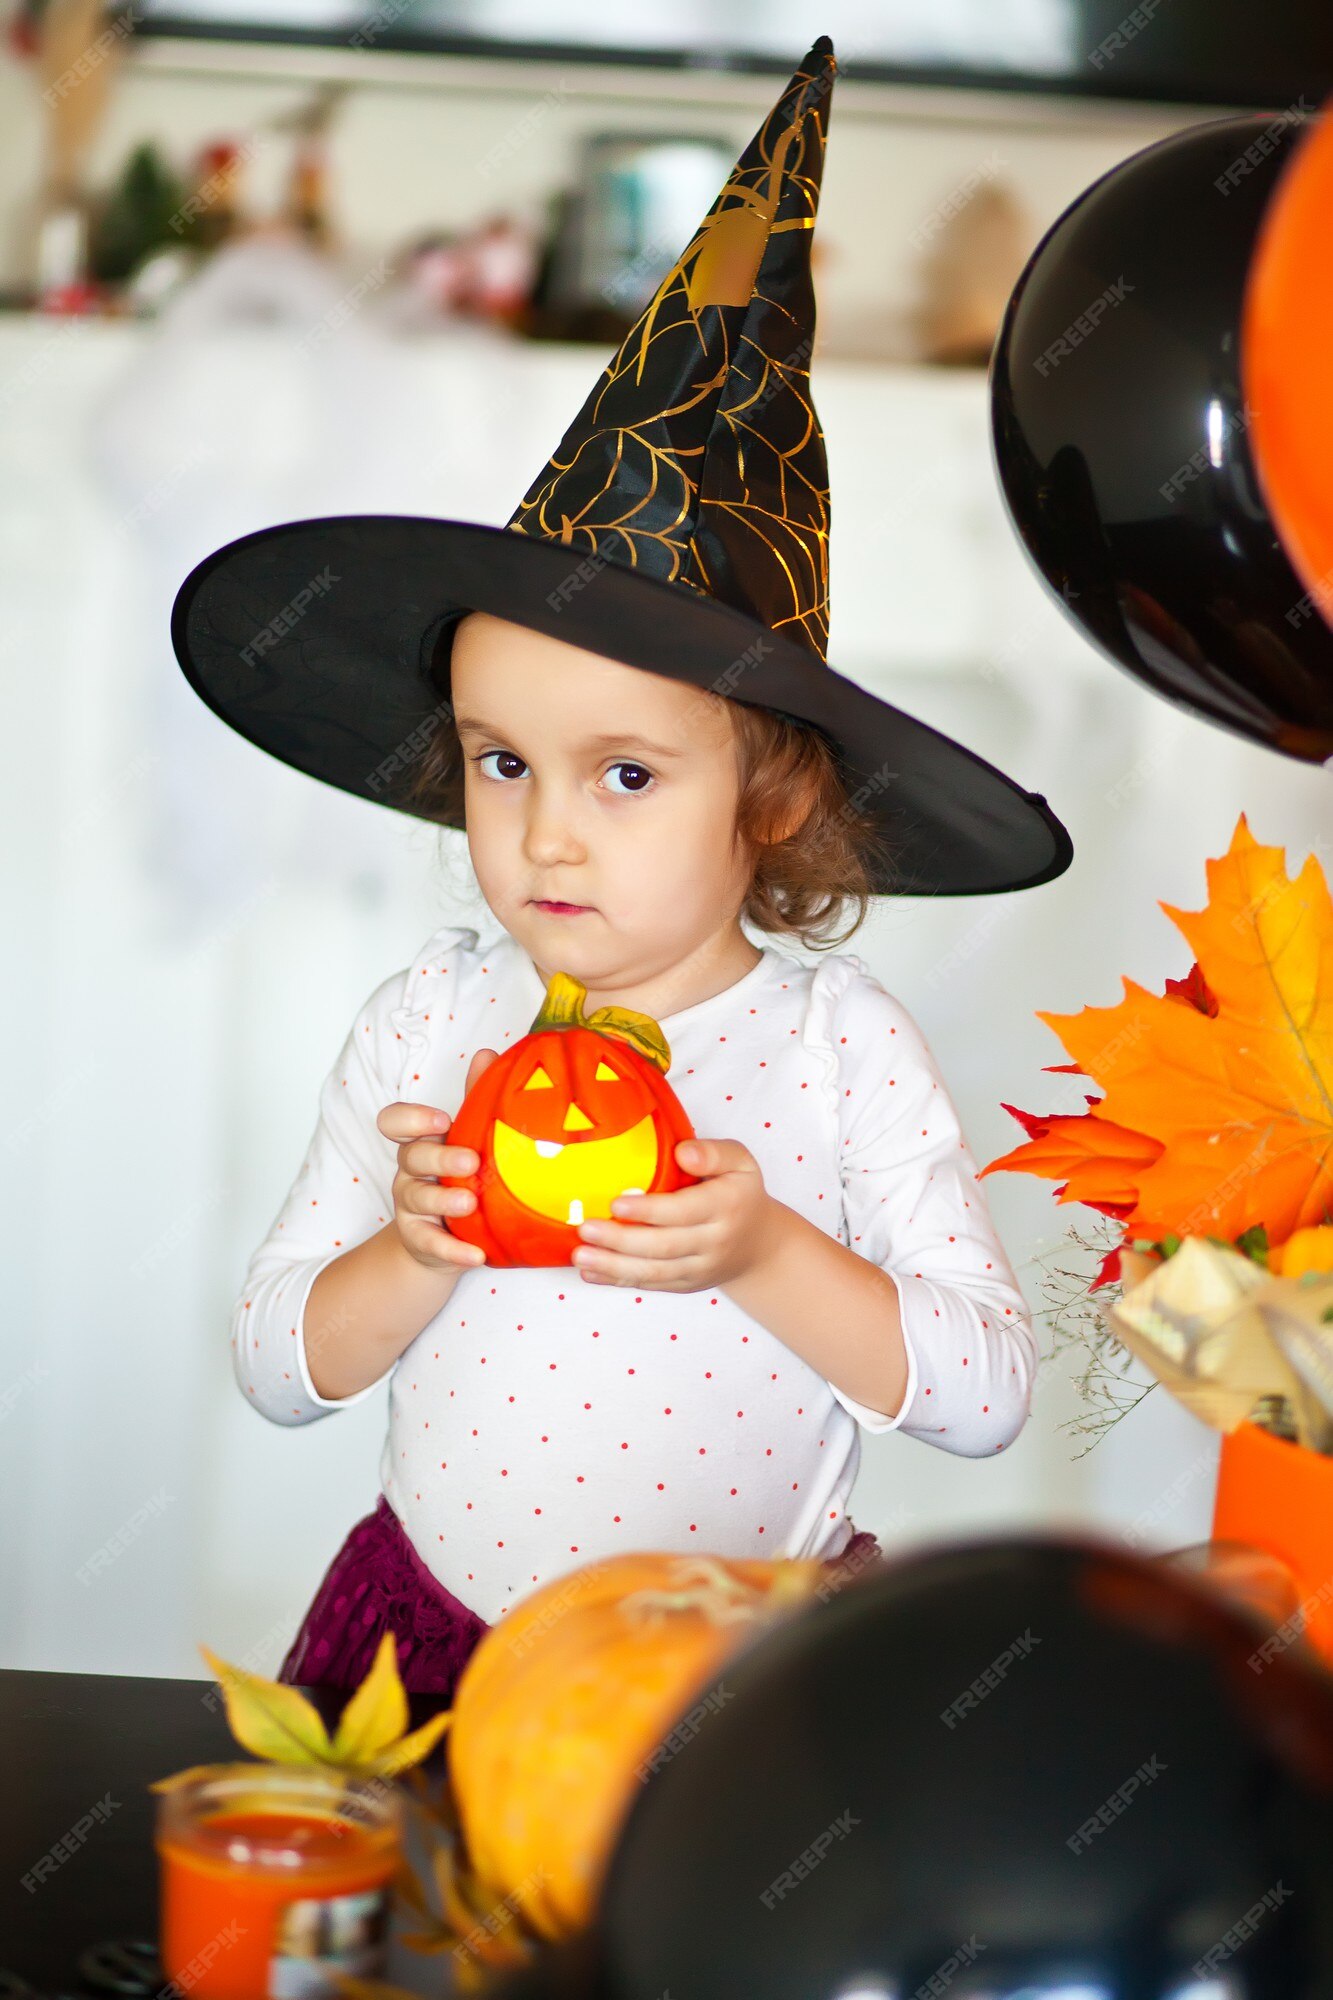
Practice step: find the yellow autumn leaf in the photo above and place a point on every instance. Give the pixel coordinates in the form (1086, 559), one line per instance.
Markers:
(270, 1718)
(376, 1714)
(412, 1748)
(276, 1721)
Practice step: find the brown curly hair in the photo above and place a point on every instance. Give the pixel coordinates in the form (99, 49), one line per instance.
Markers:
(801, 880)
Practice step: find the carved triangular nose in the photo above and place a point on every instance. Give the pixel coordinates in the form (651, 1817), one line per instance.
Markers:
(576, 1121)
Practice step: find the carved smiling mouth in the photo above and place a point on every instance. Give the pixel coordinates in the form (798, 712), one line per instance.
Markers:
(575, 1182)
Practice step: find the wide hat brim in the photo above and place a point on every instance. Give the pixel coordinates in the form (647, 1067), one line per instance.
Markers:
(326, 643)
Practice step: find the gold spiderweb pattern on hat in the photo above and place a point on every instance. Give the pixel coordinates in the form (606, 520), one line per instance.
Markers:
(698, 457)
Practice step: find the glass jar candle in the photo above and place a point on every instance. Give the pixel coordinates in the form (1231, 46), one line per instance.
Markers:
(273, 1876)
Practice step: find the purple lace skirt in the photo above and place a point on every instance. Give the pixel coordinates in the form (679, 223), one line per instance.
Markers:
(378, 1583)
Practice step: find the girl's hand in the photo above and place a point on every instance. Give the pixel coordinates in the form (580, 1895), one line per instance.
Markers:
(419, 1202)
(693, 1237)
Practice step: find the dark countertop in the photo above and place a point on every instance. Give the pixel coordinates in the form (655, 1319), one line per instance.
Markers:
(85, 1747)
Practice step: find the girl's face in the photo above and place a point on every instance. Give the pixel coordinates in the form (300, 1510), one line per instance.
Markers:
(599, 786)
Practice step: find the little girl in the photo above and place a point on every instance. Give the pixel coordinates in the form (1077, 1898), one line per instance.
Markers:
(622, 697)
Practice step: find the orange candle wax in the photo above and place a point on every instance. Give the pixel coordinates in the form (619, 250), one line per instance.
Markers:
(271, 1876)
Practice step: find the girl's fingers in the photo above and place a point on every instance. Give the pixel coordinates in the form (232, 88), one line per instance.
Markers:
(412, 1121)
(430, 1243)
(652, 1246)
(652, 1273)
(429, 1157)
(481, 1061)
(429, 1198)
(429, 1237)
(686, 1207)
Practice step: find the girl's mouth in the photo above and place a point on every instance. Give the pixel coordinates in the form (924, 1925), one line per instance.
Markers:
(563, 909)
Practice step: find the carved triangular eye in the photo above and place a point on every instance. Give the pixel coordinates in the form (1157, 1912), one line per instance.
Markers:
(605, 1074)
(539, 1080)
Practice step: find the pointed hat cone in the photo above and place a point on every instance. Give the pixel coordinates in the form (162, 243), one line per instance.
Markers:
(681, 526)
(698, 456)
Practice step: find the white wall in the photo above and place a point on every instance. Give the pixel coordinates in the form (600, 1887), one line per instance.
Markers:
(193, 926)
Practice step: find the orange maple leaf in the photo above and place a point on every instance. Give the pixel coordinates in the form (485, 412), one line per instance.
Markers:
(1217, 1105)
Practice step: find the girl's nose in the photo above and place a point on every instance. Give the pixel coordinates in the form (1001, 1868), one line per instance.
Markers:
(550, 834)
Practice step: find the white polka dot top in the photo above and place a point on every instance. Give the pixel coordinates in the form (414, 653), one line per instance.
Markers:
(538, 1423)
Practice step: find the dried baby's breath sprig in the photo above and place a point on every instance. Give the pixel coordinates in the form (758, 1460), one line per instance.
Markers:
(1106, 1379)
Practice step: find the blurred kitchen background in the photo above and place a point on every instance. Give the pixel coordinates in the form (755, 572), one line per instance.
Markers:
(263, 259)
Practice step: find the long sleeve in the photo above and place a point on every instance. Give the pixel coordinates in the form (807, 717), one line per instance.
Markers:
(341, 1196)
(912, 1204)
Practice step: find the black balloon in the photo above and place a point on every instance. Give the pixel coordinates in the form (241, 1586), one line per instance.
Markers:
(1035, 1766)
(1121, 438)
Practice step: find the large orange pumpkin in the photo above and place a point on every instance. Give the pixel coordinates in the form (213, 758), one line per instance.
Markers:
(573, 1115)
(577, 1694)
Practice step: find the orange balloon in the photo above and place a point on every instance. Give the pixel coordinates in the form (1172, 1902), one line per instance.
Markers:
(1286, 342)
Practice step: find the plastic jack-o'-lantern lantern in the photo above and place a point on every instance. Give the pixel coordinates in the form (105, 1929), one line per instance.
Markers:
(578, 1112)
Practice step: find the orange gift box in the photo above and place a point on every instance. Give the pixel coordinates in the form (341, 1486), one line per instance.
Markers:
(1278, 1496)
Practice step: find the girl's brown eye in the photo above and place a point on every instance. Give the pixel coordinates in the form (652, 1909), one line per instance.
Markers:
(641, 776)
(506, 757)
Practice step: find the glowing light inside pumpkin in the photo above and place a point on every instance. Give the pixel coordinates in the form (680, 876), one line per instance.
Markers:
(555, 1180)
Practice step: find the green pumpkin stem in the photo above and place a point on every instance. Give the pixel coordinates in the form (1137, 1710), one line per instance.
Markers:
(563, 1008)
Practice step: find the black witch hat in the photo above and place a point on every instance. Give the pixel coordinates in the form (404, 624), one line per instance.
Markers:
(680, 526)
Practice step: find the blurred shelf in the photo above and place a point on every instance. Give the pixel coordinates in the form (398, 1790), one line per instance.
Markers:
(695, 87)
